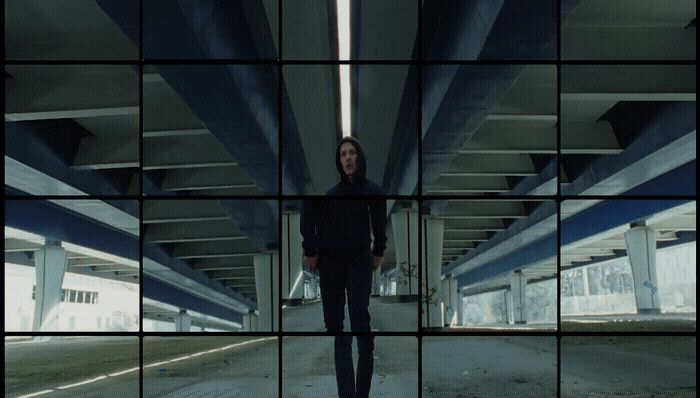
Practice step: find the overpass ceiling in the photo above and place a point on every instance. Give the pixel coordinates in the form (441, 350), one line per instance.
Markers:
(671, 228)
(471, 223)
(514, 137)
(606, 110)
(95, 108)
(99, 236)
(171, 131)
(381, 29)
(380, 92)
(66, 30)
(78, 262)
(86, 115)
(162, 312)
(203, 234)
(533, 274)
(630, 30)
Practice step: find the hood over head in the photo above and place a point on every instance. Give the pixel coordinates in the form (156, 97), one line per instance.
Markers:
(361, 162)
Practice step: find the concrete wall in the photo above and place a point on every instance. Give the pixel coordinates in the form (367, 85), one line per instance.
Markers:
(117, 308)
(608, 286)
(490, 308)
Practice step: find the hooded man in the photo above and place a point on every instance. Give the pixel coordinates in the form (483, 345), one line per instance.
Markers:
(337, 239)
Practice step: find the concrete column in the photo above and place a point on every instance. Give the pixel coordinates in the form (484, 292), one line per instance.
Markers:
(385, 284)
(586, 287)
(445, 301)
(266, 288)
(50, 263)
(460, 309)
(509, 306)
(405, 227)
(376, 281)
(250, 322)
(183, 321)
(292, 252)
(455, 301)
(641, 250)
(432, 259)
(518, 298)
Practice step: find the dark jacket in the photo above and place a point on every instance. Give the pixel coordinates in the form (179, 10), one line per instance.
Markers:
(342, 226)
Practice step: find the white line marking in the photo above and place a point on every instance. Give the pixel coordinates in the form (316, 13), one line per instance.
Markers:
(98, 378)
(145, 366)
(123, 372)
(35, 394)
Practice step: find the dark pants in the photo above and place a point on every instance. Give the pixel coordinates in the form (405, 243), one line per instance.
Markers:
(352, 274)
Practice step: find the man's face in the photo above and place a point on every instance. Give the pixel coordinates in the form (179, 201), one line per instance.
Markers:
(348, 158)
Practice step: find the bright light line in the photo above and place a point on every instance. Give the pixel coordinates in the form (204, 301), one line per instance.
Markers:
(34, 394)
(149, 366)
(206, 352)
(123, 372)
(345, 100)
(343, 15)
(296, 283)
(98, 378)
(343, 18)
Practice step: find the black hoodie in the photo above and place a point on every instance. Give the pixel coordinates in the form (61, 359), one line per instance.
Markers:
(342, 226)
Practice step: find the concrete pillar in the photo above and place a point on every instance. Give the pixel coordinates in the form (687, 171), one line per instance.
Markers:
(385, 284)
(586, 287)
(266, 289)
(250, 322)
(518, 298)
(641, 250)
(460, 309)
(292, 252)
(376, 281)
(450, 294)
(445, 301)
(405, 227)
(183, 321)
(509, 306)
(432, 270)
(50, 263)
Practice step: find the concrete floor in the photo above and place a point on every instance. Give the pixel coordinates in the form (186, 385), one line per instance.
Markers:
(384, 316)
(477, 366)
(248, 370)
(631, 366)
(308, 368)
(34, 366)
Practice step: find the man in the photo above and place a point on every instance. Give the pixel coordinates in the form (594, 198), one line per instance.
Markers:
(337, 241)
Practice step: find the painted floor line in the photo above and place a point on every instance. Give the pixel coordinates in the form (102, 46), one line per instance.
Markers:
(207, 352)
(82, 383)
(182, 358)
(36, 394)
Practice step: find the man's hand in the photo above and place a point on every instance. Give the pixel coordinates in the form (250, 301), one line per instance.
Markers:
(377, 261)
(311, 263)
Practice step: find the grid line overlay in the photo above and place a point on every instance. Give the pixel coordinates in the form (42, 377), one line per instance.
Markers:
(280, 198)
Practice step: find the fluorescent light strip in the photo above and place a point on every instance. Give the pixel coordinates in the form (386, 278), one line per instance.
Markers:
(343, 18)
(345, 100)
